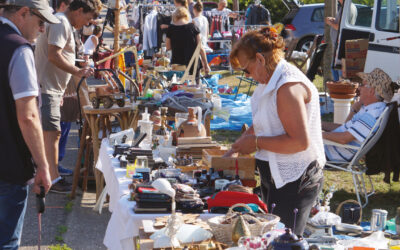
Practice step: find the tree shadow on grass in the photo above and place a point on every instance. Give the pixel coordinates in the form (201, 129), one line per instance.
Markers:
(388, 201)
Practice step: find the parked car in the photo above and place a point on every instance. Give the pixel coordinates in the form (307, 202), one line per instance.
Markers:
(304, 21)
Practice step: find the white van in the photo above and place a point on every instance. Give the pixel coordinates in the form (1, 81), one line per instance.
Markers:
(382, 30)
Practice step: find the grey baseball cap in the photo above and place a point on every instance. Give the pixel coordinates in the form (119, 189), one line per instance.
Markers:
(42, 6)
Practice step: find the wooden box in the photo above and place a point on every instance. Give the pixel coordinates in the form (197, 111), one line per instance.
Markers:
(246, 164)
(352, 66)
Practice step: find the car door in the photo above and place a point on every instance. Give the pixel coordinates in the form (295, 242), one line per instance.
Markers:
(355, 23)
(384, 39)
(293, 7)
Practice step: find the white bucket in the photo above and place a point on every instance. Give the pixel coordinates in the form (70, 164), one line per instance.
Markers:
(341, 109)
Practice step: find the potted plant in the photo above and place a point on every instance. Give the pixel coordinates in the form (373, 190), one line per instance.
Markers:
(344, 89)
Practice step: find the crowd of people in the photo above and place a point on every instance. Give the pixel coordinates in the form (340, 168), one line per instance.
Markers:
(286, 134)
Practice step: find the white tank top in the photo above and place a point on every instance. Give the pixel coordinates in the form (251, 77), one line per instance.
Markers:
(202, 23)
(286, 168)
(89, 46)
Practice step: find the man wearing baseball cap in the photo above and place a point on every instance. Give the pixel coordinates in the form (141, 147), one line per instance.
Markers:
(375, 90)
(22, 153)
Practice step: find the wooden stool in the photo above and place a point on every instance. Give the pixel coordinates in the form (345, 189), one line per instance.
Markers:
(84, 146)
(96, 117)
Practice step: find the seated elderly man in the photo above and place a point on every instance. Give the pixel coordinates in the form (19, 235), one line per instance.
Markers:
(374, 90)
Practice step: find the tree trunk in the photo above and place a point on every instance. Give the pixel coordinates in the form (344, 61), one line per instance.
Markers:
(330, 11)
(235, 5)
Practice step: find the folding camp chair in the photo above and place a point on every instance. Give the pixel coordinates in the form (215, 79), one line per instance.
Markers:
(248, 80)
(356, 166)
(302, 61)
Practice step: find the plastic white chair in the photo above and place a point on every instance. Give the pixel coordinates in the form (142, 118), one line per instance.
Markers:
(357, 166)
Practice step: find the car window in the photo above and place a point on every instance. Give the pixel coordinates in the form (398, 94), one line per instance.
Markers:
(209, 6)
(388, 15)
(318, 15)
(360, 13)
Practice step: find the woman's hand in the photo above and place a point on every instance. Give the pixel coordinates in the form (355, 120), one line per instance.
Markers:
(246, 144)
(230, 153)
(207, 70)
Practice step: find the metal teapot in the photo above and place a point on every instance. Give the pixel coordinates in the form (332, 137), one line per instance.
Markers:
(288, 241)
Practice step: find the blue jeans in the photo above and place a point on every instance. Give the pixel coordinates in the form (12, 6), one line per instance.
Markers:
(65, 128)
(13, 199)
(336, 74)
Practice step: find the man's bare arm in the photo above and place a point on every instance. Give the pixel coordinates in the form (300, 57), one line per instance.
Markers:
(55, 57)
(29, 123)
(339, 137)
(329, 126)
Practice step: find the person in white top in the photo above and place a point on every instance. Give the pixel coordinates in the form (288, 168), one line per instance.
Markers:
(123, 19)
(286, 132)
(91, 43)
(202, 23)
(222, 10)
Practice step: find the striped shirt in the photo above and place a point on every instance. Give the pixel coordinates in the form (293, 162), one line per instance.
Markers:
(359, 126)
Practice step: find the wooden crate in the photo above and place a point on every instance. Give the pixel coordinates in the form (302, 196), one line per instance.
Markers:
(246, 164)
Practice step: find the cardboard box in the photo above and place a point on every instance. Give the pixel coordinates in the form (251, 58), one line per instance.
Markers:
(356, 48)
(352, 66)
(246, 164)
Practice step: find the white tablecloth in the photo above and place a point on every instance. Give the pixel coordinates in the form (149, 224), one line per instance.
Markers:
(124, 223)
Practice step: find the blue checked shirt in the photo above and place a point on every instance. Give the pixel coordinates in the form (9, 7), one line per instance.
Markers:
(359, 126)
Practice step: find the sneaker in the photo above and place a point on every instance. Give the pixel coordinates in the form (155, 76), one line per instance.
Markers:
(64, 171)
(61, 187)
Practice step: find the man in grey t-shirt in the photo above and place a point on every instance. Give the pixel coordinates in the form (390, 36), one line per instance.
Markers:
(55, 63)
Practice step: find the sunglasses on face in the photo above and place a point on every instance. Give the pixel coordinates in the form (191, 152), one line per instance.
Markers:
(365, 85)
(245, 70)
(41, 20)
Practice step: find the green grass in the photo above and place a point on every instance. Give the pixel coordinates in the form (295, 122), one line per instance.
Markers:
(68, 206)
(62, 229)
(232, 81)
(59, 238)
(60, 247)
(225, 137)
(386, 197)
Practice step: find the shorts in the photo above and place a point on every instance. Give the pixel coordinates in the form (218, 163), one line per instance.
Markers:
(51, 114)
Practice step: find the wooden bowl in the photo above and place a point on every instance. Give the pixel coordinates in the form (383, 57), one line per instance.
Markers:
(345, 88)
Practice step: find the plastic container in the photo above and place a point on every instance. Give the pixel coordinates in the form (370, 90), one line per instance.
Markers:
(130, 169)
